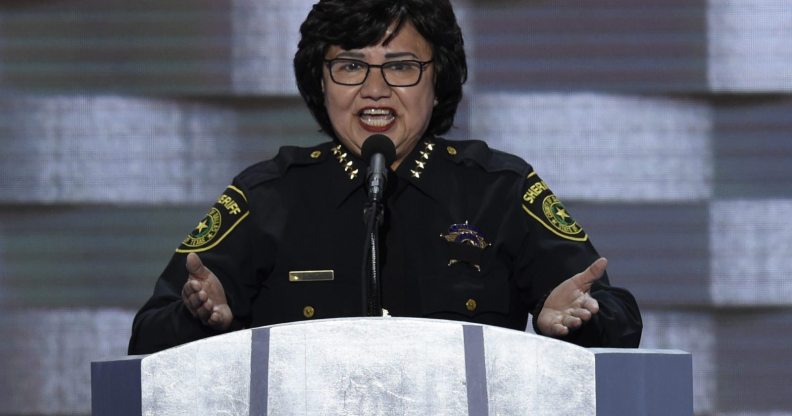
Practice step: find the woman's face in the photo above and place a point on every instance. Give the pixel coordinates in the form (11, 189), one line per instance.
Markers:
(401, 113)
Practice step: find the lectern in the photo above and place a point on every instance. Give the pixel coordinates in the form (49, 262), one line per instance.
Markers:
(392, 366)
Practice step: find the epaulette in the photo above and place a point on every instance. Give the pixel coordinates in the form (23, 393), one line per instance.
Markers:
(287, 157)
(232, 206)
(491, 160)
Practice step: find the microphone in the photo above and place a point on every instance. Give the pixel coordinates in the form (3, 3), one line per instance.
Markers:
(378, 149)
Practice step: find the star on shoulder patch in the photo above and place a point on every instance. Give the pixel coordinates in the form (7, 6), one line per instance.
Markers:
(229, 210)
(542, 205)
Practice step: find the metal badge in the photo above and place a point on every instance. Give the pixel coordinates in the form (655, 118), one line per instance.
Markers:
(311, 275)
(466, 243)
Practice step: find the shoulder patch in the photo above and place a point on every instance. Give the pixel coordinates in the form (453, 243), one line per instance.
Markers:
(542, 205)
(229, 210)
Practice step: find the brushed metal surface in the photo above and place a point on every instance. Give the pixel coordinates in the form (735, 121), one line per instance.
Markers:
(376, 366)
(175, 383)
(405, 366)
(533, 375)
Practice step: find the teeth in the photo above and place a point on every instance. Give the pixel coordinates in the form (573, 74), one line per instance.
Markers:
(376, 121)
(377, 117)
(376, 112)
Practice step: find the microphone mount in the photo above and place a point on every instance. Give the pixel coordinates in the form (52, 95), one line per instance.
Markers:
(380, 152)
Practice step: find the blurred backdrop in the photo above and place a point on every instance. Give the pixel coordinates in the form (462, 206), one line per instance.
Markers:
(663, 124)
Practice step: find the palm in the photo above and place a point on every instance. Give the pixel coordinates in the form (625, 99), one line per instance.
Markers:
(570, 304)
(204, 296)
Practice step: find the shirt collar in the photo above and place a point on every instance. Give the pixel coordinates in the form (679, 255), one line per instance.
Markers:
(415, 164)
(426, 167)
(421, 168)
(346, 173)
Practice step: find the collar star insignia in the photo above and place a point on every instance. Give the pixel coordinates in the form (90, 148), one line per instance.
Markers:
(348, 165)
(422, 160)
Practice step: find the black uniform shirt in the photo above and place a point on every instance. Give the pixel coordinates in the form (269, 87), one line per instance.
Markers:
(469, 234)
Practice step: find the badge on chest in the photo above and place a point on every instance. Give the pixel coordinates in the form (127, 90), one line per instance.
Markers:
(466, 244)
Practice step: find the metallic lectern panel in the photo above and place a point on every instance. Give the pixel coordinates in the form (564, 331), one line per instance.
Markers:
(539, 376)
(367, 367)
(209, 377)
(392, 366)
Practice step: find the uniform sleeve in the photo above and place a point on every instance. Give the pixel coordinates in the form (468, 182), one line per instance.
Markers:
(221, 239)
(555, 247)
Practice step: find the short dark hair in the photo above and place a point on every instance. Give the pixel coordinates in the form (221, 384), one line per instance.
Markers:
(355, 24)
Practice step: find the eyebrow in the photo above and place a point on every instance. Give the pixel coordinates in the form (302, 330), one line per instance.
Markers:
(400, 55)
(348, 54)
(390, 55)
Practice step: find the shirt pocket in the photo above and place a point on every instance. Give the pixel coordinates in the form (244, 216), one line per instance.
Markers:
(289, 301)
(464, 293)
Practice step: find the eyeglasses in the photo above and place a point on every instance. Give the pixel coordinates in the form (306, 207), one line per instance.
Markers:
(396, 73)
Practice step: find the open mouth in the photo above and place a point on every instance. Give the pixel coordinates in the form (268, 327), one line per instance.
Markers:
(376, 119)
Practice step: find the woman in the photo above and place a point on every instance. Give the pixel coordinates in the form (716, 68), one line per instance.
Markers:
(469, 233)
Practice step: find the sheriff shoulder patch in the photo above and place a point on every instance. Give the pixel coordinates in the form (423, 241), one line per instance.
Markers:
(539, 202)
(229, 210)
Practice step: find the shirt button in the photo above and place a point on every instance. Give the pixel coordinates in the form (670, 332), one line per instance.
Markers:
(315, 154)
(451, 150)
(471, 305)
(308, 311)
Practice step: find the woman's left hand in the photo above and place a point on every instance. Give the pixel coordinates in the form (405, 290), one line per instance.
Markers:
(569, 305)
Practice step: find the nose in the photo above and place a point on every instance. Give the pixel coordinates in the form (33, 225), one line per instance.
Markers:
(375, 86)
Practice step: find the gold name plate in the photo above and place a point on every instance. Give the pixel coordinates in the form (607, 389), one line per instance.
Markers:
(311, 276)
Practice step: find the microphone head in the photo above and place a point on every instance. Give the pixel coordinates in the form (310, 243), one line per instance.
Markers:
(379, 143)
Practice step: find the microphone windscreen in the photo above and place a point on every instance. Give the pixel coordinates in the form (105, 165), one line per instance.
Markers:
(378, 143)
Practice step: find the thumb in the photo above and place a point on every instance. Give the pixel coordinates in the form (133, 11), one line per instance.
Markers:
(592, 273)
(196, 268)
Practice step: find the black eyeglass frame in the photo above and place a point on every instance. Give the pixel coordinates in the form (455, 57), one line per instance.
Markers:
(421, 66)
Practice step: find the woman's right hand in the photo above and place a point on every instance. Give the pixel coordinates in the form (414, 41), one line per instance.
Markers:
(204, 297)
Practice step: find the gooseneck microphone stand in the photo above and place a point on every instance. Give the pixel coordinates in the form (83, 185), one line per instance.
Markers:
(380, 152)
(373, 214)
